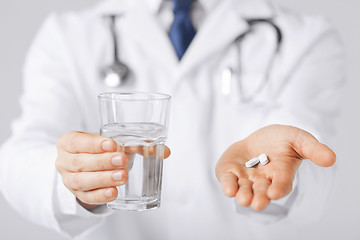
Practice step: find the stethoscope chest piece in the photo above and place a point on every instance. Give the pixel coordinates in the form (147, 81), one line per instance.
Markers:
(115, 75)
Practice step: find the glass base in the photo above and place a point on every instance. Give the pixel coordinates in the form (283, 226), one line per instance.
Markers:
(133, 205)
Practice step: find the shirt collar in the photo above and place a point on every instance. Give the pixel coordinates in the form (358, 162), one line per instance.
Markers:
(154, 5)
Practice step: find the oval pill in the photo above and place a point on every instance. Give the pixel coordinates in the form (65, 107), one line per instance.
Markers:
(252, 162)
(263, 159)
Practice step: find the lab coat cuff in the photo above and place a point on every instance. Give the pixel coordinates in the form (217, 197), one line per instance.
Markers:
(98, 211)
(73, 220)
(68, 205)
(65, 200)
(315, 188)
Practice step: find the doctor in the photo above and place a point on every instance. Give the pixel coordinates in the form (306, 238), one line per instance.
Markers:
(240, 84)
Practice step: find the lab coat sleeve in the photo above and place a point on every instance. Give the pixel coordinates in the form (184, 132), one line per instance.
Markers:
(28, 177)
(308, 98)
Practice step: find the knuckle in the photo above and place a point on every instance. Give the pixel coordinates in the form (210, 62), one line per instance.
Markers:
(59, 165)
(227, 167)
(100, 163)
(66, 136)
(73, 139)
(66, 139)
(76, 164)
(66, 182)
(60, 142)
(76, 181)
(259, 182)
(83, 197)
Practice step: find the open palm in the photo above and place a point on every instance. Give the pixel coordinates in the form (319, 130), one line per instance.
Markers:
(285, 147)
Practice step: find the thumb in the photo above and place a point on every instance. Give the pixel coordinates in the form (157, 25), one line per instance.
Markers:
(308, 147)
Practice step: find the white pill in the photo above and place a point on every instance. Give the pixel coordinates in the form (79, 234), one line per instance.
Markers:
(252, 162)
(263, 159)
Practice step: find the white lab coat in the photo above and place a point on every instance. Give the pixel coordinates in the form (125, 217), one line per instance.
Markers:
(62, 80)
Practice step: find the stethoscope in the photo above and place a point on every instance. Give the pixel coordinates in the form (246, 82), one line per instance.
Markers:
(231, 76)
(117, 73)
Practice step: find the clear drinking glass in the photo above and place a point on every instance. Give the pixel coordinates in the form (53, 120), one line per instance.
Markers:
(138, 123)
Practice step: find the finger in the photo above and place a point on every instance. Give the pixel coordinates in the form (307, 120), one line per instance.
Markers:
(84, 162)
(229, 184)
(245, 193)
(80, 142)
(167, 152)
(260, 199)
(310, 148)
(97, 196)
(280, 187)
(145, 151)
(86, 181)
(153, 150)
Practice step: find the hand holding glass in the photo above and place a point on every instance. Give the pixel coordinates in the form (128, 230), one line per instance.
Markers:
(138, 124)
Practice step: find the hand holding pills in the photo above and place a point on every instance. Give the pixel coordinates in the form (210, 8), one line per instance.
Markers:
(281, 149)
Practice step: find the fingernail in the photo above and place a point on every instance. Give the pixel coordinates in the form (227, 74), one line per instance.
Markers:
(117, 160)
(118, 176)
(107, 145)
(109, 192)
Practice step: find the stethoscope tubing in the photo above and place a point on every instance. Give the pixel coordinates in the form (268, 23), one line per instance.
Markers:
(267, 72)
(114, 38)
(116, 74)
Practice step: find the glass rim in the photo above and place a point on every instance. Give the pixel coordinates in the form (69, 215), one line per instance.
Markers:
(143, 96)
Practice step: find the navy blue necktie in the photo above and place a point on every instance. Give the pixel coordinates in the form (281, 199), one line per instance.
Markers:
(182, 31)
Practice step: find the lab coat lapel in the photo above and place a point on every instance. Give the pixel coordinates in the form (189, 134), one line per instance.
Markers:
(143, 28)
(221, 27)
(224, 24)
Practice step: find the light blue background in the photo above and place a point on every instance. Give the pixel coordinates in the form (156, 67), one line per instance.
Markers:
(19, 21)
